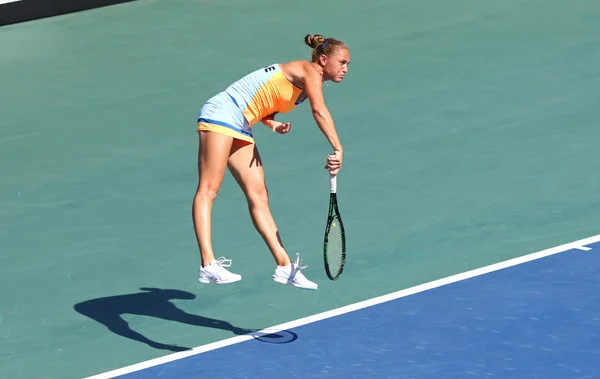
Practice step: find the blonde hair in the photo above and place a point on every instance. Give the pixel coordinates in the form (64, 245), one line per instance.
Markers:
(321, 45)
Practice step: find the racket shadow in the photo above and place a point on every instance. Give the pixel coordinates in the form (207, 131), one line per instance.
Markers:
(152, 302)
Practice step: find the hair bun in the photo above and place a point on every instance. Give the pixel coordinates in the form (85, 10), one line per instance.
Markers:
(314, 41)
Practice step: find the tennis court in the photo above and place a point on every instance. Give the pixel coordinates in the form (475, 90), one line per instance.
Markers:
(470, 135)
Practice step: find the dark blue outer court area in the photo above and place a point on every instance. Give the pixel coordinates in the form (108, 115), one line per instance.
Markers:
(535, 320)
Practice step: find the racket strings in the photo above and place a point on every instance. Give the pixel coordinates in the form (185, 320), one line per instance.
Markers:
(335, 248)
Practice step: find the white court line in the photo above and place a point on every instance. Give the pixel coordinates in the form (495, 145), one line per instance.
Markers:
(8, 1)
(352, 307)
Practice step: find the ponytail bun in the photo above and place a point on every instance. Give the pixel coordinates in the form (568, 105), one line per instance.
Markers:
(314, 41)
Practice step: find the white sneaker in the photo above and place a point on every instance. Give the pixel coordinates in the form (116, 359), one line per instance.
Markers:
(291, 275)
(215, 272)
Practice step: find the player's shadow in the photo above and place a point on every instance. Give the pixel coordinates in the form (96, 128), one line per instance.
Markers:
(152, 302)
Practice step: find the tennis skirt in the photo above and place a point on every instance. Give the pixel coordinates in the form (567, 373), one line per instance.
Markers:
(221, 114)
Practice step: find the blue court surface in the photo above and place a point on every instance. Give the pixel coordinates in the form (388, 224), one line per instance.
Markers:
(537, 316)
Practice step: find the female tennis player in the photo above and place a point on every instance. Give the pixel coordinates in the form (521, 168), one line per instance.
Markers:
(226, 141)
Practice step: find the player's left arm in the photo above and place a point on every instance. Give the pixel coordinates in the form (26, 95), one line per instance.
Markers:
(269, 120)
(276, 126)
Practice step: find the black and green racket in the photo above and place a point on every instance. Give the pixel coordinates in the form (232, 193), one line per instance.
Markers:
(334, 247)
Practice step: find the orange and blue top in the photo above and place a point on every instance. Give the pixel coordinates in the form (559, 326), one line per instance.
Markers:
(247, 101)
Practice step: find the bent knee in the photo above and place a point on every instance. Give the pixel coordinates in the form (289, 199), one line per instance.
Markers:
(258, 197)
(206, 193)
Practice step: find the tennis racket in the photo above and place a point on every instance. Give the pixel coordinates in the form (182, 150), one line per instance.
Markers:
(334, 247)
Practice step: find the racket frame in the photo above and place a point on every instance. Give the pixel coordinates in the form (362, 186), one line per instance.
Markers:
(334, 216)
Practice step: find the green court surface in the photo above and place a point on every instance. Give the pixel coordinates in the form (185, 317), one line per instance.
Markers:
(470, 129)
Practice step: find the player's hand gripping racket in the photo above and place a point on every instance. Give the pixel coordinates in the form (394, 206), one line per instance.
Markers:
(334, 247)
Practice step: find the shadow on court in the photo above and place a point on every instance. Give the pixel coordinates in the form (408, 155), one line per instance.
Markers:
(153, 302)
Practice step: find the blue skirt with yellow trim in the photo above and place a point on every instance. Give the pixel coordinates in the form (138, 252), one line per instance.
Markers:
(221, 114)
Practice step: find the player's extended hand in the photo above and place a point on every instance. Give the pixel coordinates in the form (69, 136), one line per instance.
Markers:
(281, 128)
(334, 162)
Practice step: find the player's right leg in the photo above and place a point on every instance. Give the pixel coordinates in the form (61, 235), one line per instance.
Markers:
(213, 153)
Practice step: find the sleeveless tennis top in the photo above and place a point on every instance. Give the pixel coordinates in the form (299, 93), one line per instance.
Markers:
(264, 92)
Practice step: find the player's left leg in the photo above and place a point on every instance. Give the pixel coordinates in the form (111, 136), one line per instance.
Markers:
(246, 167)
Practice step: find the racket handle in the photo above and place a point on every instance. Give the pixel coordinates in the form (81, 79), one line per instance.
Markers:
(332, 183)
(332, 180)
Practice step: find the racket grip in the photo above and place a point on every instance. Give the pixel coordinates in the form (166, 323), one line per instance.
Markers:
(332, 183)
(332, 180)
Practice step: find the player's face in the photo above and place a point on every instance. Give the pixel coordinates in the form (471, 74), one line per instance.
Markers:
(336, 67)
